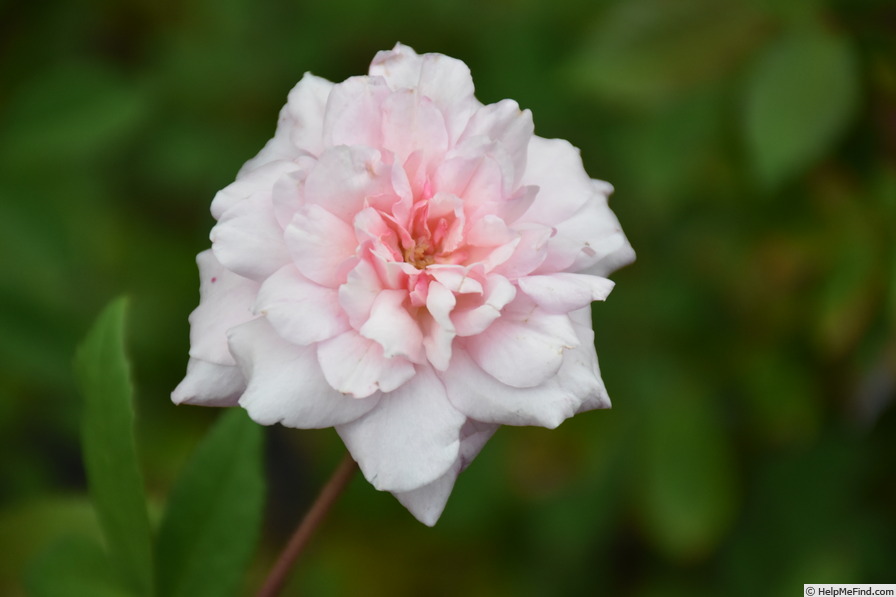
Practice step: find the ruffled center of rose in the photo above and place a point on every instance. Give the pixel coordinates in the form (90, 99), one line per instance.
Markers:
(431, 234)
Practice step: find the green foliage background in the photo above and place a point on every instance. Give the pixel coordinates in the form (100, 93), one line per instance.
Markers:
(750, 351)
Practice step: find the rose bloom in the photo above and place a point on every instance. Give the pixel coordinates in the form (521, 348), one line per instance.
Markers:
(409, 266)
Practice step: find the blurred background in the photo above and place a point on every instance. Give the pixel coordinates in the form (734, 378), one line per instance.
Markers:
(750, 351)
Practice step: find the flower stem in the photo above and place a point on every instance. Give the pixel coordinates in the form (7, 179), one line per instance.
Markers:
(301, 536)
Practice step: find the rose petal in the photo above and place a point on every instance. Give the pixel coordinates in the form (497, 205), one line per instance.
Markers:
(440, 331)
(410, 439)
(225, 301)
(301, 311)
(344, 177)
(590, 241)
(393, 328)
(248, 240)
(354, 112)
(555, 167)
(505, 123)
(248, 183)
(306, 105)
(576, 387)
(412, 122)
(356, 366)
(320, 245)
(562, 292)
(285, 382)
(360, 290)
(428, 502)
(446, 81)
(524, 346)
(470, 321)
(299, 127)
(209, 384)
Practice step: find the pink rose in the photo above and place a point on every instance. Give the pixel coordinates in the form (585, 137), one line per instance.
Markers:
(409, 266)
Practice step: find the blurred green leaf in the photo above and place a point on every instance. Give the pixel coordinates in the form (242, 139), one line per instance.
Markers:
(687, 489)
(211, 525)
(644, 51)
(110, 455)
(36, 524)
(70, 113)
(73, 567)
(802, 94)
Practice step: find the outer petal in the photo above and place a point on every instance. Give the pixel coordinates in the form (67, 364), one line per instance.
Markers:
(562, 292)
(301, 311)
(356, 366)
(410, 439)
(246, 184)
(428, 502)
(299, 128)
(354, 113)
(225, 301)
(576, 387)
(505, 123)
(444, 80)
(306, 105)
(286, 384)
(209, 384)
(248, 240)
(524, 347)
(555, 166)
(591, 241)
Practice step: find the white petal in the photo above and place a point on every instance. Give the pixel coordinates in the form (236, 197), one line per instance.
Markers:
(306, 104)
(356, 366)
(320, 244)
(410, 439)
(440, 331)
(444, 80)
(248, 183)
(248, 240)
(428, 502)
(555, 167)
(478, 179)
(354, 113)
(300, 310)
(286, 384)
(475, 320)
(344, 177)
(225, 301)
(590, 241)
(411, 122)
(575, 388)
(299, 127)
(505, 123)
(562, 292)
(360, 290)
(209, 384)
(524, 346)
(392, 327)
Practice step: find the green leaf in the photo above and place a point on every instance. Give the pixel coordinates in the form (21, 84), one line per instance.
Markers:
(110, 455)
(73, 567)
(70, 113)
(645, 51)
(800, 98)
(211, 525)
(687, 484)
